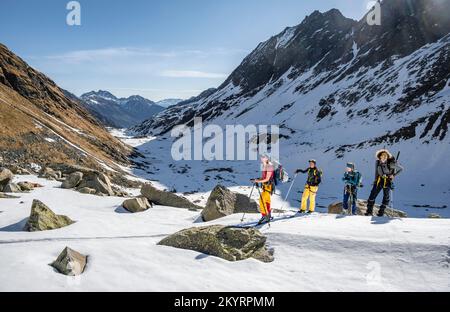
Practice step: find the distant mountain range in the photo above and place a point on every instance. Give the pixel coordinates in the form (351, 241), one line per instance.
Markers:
(120, 112)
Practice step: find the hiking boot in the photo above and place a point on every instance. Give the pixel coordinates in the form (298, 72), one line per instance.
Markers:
(368, 214)
(310, 212)
(380, 214)
(302, 212)
(262, 220)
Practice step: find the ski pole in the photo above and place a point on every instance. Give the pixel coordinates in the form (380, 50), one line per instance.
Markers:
(249, 199)
(287, 195)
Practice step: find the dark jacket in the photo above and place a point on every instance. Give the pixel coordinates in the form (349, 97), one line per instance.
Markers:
(314, 176)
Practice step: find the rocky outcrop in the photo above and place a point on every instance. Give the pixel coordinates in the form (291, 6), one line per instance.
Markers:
(98, 182)
(139, 204)
(361, 207)
(6, 176)
(163, 198)
(72, 181)
(229, 243)
(70, 262)
(43, 218)
(222, 202)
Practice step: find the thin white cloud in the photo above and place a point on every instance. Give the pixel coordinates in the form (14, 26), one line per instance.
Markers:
(127, 52)
(190, 74)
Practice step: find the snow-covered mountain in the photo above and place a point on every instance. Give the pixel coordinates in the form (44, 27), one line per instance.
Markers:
(340, 89)
(169, 102)
(119, 112)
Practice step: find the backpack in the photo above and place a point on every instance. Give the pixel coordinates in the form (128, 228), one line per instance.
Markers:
(279, 174)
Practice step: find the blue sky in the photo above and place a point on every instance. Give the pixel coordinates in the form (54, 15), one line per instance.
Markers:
(155, 48)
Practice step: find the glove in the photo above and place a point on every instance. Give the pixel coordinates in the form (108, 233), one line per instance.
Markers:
(298, 171)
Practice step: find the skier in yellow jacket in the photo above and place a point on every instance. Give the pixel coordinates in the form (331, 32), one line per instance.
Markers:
(312, 186)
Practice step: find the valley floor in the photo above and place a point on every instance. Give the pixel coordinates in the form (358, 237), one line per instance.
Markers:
(320, 252)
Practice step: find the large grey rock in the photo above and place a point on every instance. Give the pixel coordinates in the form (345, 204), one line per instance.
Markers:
(229, 243)
(97, 181)
(73, 180)
(43, 218)
(12, 188)
(163, 198)
(139, 204)
(70, 262)
(361, 207)
(222, 202)
(6, 176)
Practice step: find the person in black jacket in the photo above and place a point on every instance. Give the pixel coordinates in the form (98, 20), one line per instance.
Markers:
(312, 186)
(386, 169)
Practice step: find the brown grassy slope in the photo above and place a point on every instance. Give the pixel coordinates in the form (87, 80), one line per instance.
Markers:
(33, 108)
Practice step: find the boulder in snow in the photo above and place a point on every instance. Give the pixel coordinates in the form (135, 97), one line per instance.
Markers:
(361, 208)
(163, 198)
(97, 181)
(229, 243)
(139, 204)
(50, 174)
(43, 218)
(72, 181)
(434, 216)
(12, 188)
(70, 262)
(18, 170)
(86, 190)
(5, 177)
(222, 202)
(28, 186)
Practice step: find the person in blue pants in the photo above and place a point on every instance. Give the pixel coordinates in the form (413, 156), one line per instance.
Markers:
(352, 179)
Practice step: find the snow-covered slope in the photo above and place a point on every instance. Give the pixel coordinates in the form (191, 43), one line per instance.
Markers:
(315, 253)
(119, 113)
(339, 90)
(169, 102)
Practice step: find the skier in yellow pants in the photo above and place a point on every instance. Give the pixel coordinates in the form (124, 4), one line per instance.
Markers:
(311, 187)
(266, 181)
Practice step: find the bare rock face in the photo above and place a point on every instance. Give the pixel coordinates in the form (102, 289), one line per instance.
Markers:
(361, 208)
(139, 204)
(163, 198)
(72, 181)
(97, 181)
(232, 244)
(6, 176)
(222, 202)
(43, 218)
(70, 262)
